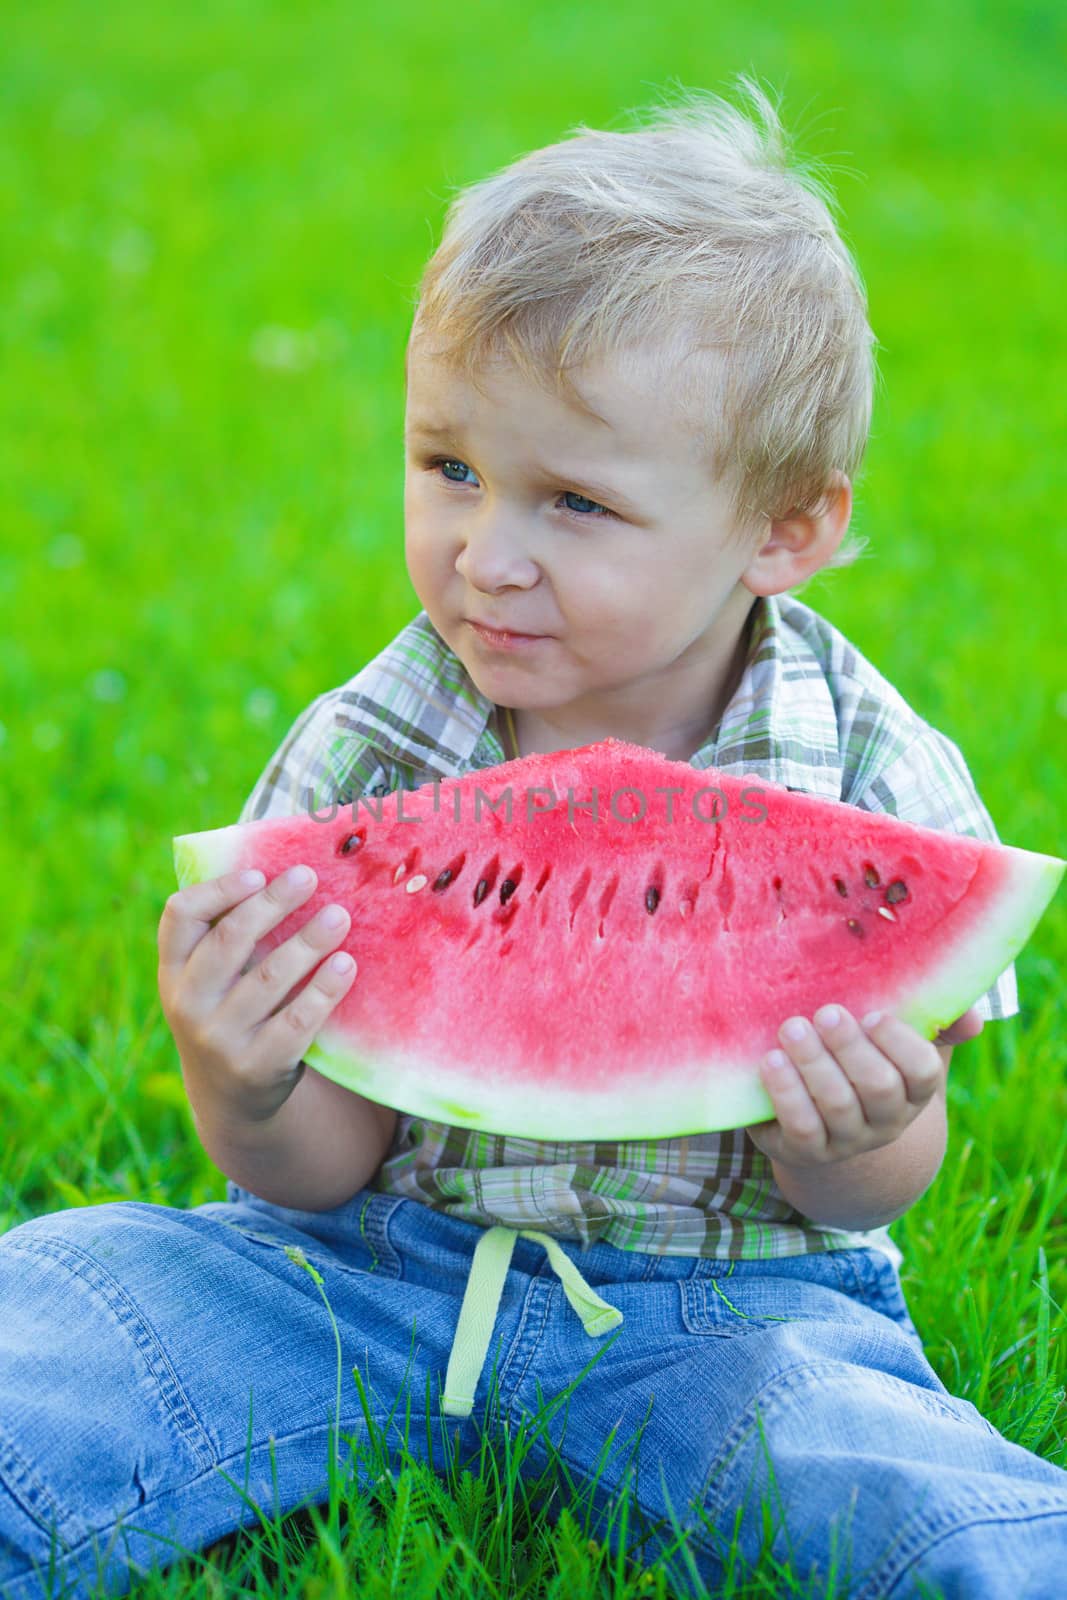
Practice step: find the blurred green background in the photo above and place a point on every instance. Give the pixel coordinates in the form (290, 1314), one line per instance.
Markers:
(213, 221)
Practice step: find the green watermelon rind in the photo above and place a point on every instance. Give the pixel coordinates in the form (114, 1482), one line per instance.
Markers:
(199, 856)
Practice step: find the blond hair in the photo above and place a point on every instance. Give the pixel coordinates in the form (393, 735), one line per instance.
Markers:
(698, 233)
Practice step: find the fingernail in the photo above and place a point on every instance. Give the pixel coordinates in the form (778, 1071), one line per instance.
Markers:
(298, 877)
(872, 1019)
(253, 879)
(828, 1017)
(795, 1029)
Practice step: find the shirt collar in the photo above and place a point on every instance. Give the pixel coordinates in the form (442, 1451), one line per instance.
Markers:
(780, 724)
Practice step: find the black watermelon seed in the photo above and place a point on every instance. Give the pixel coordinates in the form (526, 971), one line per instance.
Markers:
(481, 891)
(898, 890)
(651, 899)
(353, 842)
(870, 877)
(841, 886)
(507, 889)
(443, 880)
(855, 927)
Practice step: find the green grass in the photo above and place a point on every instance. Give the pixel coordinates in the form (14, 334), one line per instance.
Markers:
(212, 225)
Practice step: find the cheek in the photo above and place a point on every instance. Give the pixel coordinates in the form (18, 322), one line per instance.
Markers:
(622, 592)
(425, 576)
(648, 606)
(426, 553)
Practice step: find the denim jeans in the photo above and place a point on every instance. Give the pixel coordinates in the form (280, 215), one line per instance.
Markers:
(144, 1348)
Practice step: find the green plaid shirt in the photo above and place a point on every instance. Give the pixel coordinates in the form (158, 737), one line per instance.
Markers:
(811, 713)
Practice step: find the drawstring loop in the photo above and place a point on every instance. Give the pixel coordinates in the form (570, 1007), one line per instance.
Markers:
(481, 1301)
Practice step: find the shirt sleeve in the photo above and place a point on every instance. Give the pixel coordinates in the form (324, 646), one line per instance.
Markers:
(319, 762)
(929, 784)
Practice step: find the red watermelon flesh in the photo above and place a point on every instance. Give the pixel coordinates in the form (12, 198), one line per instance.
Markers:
(564, 974)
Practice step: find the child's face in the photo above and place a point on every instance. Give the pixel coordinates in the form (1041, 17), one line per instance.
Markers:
(639, 611)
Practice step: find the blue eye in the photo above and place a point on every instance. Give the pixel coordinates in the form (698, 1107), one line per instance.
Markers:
(447, 461)
(574, 495)
(599, 511)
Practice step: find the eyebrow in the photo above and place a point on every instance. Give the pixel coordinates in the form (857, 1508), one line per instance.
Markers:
(600, 492)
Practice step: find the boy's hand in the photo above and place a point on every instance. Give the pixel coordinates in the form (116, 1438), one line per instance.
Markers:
(240, 1045)
(845, 1087)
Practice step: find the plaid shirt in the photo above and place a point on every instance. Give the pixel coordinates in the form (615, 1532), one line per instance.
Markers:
(809, 712)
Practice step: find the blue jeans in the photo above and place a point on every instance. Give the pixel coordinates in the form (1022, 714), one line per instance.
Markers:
(143, 1348)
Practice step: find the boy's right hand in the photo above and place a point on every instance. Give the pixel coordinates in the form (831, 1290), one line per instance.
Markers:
(241, 1049)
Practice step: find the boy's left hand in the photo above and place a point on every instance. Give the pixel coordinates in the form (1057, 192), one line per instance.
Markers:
(846, 1087)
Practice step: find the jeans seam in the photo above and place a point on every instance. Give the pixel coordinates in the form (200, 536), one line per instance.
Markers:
(130, 1521)
(537, 1301)
(790, 1378)
(375, 1222)
(26, 1489)
(882, 1584)
(133, 1321)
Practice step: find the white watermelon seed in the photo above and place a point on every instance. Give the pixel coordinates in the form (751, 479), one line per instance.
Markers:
(884, 911)
(399, 873)
(416, 883)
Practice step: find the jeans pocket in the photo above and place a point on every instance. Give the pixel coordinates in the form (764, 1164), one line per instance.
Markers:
(356, 1233)
(732, 1306)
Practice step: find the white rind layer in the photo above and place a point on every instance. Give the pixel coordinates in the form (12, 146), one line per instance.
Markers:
(199, 856)
(652, 1107)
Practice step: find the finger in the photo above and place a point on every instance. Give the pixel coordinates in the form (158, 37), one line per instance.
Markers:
(828, 1084)
(915, 1058)
(222, 953)
(879, 1088)
(799, 1120)
(287, 1035)
(969, 1026)
(268, 984)
(190, 912)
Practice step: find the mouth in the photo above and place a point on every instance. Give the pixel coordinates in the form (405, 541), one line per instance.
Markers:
(503, 636)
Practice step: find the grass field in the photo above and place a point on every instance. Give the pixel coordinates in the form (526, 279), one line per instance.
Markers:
(213, 221)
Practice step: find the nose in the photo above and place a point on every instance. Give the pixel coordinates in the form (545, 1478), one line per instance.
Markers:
(494, 556)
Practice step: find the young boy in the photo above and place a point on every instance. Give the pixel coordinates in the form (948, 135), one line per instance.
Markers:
(638, 391)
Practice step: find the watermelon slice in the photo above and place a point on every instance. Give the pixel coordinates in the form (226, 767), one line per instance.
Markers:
(529, 965)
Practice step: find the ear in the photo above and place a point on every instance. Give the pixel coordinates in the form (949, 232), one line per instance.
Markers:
(799, 544)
